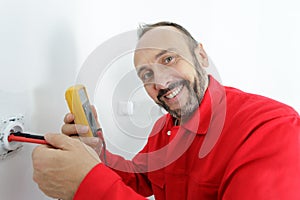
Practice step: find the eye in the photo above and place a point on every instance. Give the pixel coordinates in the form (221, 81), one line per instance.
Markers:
(168, 59)
(146, 76)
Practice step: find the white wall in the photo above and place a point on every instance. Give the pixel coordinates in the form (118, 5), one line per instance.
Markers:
(38, 59)
(254, 45)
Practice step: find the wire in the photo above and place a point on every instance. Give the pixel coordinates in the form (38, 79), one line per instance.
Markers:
(100, 135)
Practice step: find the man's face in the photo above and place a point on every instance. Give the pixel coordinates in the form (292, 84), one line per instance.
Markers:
(166, 65)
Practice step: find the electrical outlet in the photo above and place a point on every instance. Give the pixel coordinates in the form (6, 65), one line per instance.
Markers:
(125, 108)
(7, 126)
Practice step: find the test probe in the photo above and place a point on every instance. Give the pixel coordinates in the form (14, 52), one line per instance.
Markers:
(26, 137)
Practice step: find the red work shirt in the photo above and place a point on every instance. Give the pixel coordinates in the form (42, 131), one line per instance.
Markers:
(235, 146)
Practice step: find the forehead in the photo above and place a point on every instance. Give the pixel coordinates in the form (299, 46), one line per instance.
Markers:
(159, 39)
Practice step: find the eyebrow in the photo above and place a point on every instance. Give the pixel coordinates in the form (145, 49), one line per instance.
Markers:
(164, 52)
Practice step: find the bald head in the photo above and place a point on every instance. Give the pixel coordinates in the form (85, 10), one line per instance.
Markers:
(166, 38)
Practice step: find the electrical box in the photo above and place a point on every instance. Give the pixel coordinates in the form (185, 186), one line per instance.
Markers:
(125, 108)
(7, 126)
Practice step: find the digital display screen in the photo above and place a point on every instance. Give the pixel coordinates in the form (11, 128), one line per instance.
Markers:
(82, 95)
(88, 111)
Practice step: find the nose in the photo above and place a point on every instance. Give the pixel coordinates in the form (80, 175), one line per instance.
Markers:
(162, 78)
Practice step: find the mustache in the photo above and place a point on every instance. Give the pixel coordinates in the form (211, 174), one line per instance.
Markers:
(162, 92)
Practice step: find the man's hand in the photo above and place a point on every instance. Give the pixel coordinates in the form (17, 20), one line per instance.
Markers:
(60, 168)
(69, 128)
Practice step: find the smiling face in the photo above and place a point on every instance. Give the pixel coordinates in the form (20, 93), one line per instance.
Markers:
(171, 71)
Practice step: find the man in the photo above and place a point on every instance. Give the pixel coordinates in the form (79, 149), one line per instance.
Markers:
(215, 142)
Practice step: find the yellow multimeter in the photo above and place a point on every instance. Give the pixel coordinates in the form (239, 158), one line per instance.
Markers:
(79, 105)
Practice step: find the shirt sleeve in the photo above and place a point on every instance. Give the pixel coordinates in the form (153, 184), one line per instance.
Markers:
(102, 183)
(267, 165)
(134, 172)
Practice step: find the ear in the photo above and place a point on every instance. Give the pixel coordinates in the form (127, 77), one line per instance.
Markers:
(202, 56)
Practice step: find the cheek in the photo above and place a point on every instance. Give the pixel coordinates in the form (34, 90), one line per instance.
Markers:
(151, 92)
(189, 74)
(186, 70)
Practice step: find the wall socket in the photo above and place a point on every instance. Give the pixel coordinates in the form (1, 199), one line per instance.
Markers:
(7, 126)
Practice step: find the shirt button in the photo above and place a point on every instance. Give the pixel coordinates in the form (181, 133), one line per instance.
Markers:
(169, 133)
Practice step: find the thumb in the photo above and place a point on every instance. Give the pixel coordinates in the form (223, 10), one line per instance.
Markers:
(59, 141)
(95, 115)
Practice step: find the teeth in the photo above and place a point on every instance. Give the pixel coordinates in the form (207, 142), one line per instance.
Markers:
(174, 93)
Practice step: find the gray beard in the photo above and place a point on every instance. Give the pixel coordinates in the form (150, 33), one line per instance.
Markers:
(196, 92)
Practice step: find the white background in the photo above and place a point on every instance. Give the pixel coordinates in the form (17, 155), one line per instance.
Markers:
(254, 45)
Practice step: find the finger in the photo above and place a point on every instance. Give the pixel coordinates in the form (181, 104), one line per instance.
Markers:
(41, 155)
(91, 141)
(73, 129)
(69, 129)
(96, 115)
(37, 151)
(60, 141)
(94, 111)
(69, 118)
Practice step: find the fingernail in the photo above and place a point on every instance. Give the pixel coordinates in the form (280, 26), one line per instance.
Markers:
(81, 129)
(70, 117)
